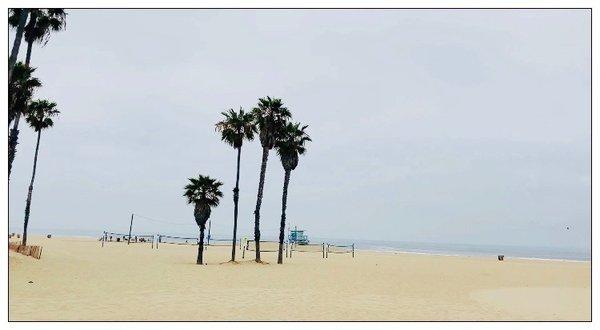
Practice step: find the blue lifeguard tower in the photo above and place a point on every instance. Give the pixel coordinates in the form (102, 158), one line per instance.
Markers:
(297, 236)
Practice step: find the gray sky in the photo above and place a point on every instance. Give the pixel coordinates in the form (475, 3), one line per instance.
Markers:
(429, 126)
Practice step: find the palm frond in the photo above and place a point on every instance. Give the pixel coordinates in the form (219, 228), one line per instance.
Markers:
(270, 118)
(21, 89)
(40, 114)
(13, 17)
(236, 126)
(293, 140)
(42, 22)
(203, 189)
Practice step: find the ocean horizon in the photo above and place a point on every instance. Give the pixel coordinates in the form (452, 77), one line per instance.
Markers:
(448, 249)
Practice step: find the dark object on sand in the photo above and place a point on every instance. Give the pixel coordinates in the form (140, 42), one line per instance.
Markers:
(49, 236)
(118, 239)
(500, 257)
(30, 281)
(18, 236)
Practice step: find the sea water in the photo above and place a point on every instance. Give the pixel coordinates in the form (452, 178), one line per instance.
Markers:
(467, 249)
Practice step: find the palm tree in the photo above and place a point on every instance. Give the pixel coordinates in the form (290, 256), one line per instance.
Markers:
(270, 117)
(204, 193)
(20, 91)
(234, 128)
(289, 146)
(42, 22)
(39, 117)
(17, 18)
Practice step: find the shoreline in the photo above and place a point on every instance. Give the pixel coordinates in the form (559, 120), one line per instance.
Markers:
(483, 256)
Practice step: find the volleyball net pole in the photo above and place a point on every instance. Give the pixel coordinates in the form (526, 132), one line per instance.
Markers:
(130, 226)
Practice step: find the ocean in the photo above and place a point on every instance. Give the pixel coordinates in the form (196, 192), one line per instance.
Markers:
(467, 249)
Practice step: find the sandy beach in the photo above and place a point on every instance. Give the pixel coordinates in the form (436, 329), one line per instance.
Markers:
(76, 279)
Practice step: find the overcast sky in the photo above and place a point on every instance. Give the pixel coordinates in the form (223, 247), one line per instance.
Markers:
(454, 126)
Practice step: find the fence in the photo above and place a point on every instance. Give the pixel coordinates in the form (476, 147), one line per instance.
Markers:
(29, 250)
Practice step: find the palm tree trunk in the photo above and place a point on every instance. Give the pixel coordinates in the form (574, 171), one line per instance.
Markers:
(236, 197)
(286, 182)
(28, 55)
(13, 138)
(17, 43)
(12, 142)
(261, 183)
(29, 193)
(199, 261)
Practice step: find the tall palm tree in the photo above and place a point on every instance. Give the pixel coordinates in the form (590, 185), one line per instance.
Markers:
(270, 116)
(39, 117)
(291, 144)
(234, 128)
(204, 193)
(42, 22)
(17, 19)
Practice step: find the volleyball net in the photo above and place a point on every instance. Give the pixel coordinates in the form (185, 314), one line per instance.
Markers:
(222, 242)
(265, 246)
(112, 237)
(177, 240)
(307, 248)
(339, 249)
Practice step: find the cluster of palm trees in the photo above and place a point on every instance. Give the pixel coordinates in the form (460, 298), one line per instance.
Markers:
(34, 26)
(272, 122)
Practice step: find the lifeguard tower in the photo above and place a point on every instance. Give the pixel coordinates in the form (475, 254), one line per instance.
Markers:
(298, 237)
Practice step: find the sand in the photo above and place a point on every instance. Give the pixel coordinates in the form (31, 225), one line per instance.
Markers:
(76, 279)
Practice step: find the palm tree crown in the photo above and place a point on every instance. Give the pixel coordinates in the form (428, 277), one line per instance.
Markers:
(270, 117)
(42, 22)
(204, 190)
(236, 126)
(40, 113)
(292, 143)
(20, 89)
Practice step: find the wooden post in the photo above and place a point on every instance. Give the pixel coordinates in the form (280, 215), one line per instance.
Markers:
(103, 238)
(208, 240)
(352, 250)
(327, 251)
(130, 225)
(323, 249)
(243, 253)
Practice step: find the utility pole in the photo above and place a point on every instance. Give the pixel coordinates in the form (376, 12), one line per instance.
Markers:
(130, 225)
